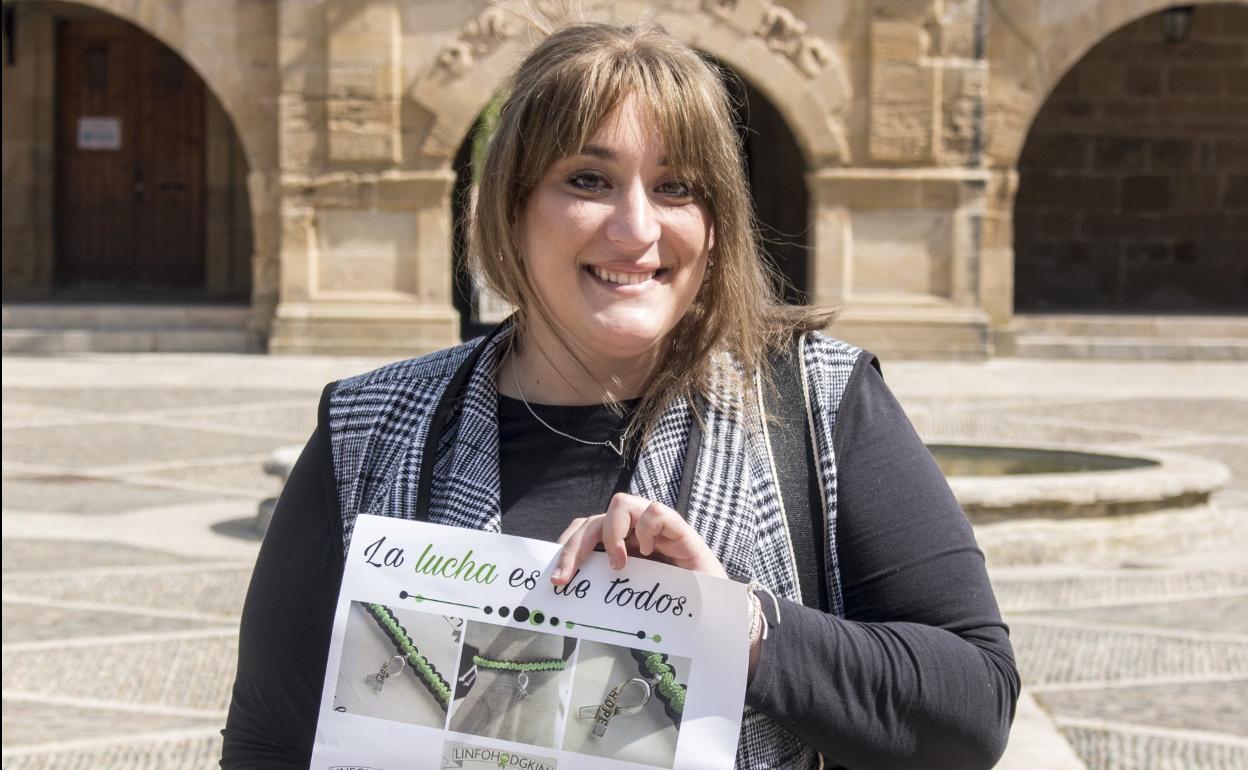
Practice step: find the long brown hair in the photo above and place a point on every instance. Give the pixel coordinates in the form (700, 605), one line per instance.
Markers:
(557, 99)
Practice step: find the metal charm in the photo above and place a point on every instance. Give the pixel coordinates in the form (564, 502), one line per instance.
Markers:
(610, 707)
(522, 686)
(392, 667)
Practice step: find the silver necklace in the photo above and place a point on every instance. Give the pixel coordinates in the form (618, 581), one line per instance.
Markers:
(618, 448)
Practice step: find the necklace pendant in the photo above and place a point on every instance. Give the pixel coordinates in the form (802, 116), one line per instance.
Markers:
(522, 686)
(616, 446)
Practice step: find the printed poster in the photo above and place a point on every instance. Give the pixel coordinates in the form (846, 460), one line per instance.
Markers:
(452, 649)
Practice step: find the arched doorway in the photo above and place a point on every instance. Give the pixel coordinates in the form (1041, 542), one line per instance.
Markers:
(776, 172)
(1132, 194)
(775, 169)
(134, 175)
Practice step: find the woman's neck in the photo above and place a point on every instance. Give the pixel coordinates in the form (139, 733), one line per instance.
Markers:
(544, 372)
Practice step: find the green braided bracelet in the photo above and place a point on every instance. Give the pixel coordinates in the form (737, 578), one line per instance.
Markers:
(398, 635)
(673, 693)
(552, 664)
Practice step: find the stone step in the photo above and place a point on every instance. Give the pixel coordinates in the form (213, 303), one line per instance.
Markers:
(49, 328)
(124, 316)
(1146, 326)
(50, 341)
(1131, 348)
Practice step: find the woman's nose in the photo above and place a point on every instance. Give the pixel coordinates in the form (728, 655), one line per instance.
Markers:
(635, 222)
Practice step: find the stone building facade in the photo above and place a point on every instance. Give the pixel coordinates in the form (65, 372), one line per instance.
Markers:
(927, 165)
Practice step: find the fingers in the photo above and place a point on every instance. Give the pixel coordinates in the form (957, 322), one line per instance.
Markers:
(650, 526)
(576, 547)
(612, 529)
(572, 527)
(633, 524)
(617, 523)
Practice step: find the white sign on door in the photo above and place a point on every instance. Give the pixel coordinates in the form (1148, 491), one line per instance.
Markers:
(99, 133)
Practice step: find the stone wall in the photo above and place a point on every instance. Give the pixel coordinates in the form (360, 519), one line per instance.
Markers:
(1133, 188)
(29, 104)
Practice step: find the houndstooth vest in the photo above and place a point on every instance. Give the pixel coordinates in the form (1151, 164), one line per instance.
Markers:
(379, 423)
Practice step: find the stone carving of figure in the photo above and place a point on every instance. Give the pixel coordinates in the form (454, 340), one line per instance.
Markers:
(478, 38)
(455, 59)
(782, 31)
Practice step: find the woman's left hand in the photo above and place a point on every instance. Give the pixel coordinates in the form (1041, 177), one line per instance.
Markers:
(640, 526)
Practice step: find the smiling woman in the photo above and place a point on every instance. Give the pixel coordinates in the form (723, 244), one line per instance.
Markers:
(613, 211)
(624, 407)
(615, 249)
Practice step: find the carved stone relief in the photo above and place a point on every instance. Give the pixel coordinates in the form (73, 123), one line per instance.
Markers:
(779, 28)
(477, 39)
(456, 86)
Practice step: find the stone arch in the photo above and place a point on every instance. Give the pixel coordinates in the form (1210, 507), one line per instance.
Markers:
(799, 77)
(1031, 46)
(1031, 49)
(247, 95)
(202, 51)
(1128, 197)
(764, 43)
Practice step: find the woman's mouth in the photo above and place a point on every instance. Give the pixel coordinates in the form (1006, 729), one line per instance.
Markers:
(619, 278)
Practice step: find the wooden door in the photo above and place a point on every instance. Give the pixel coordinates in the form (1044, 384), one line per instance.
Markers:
(130, 161)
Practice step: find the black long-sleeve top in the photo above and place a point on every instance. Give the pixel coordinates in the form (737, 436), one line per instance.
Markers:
(918, 674)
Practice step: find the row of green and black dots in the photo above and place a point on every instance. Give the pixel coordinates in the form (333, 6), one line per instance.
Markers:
(655, 667)
(429, 674)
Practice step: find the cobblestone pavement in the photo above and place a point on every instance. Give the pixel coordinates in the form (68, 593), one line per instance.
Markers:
(129, 483)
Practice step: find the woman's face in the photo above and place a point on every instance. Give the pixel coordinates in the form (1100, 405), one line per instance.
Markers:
(614, 242)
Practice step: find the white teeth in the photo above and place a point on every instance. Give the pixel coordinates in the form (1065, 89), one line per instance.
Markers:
(621, 279)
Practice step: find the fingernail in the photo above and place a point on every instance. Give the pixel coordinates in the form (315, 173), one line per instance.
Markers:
(617, 563)
(554, 576)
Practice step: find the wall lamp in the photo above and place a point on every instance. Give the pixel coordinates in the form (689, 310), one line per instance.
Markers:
(1176, 23)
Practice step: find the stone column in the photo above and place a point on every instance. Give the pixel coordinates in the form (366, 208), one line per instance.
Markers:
(365, 238)
(900, 252)
(899, 238)
(997, 258)
(365, 267)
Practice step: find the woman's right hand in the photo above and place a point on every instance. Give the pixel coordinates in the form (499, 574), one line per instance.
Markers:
(639, 526)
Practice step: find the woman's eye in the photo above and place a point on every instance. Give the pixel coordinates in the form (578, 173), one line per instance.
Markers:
(676, 189)
(588, 182)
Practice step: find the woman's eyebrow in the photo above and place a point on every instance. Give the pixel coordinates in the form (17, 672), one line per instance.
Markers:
(598, 151)
(607, 154)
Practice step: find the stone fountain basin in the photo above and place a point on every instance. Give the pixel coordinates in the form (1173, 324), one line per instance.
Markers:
(1010, 482)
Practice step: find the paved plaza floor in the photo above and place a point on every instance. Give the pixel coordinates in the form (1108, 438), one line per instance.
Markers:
(130, 482)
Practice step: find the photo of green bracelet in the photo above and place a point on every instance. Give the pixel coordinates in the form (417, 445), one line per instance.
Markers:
(513, 683)
(393, 664)
(627, 703)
